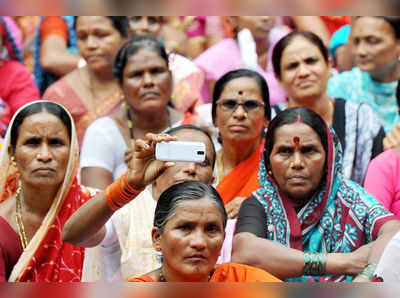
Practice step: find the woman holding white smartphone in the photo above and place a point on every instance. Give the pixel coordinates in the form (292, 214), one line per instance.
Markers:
(124, 236)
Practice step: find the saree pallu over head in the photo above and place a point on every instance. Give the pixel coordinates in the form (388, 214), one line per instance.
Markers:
(339, 218)
(47, 258)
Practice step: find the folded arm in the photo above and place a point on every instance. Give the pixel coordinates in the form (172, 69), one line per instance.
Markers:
(284, 262)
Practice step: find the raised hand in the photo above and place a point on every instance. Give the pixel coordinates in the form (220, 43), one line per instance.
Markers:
(143, 167)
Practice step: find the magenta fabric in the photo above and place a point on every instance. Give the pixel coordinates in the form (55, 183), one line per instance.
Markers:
(383, 180)
(197, 27)
(225, 56)
(15, 31)
(10, 249)
(17, 88)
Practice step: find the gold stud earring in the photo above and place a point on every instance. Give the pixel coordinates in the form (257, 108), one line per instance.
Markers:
(13, 161)
(270, 172)
(291, 164)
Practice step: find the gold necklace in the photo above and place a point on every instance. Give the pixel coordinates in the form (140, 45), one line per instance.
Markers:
(18, 219)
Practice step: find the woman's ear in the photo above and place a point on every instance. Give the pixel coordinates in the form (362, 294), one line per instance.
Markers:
(266, 123)
(156, 239)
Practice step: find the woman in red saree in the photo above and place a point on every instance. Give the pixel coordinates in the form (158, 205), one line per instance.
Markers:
(38, 193)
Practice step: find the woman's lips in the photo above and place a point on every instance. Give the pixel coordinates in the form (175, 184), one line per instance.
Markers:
(237, 128)
(304, 84)
(150, 95)
(196, 258)
(296, 179)
(92, 58)
(44, 170)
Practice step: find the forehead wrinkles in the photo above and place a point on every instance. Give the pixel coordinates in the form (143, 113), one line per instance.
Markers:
(287, 132)
(42, 125)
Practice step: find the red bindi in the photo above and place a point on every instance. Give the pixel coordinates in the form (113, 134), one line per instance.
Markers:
(240, 92)
(296, 141)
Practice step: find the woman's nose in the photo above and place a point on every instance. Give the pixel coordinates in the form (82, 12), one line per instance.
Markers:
(303, 70)
(297, 160)
(44, 153)
(190, 168)
(148, 79)
(198, 239)
(361, 49)
(92, 42)
(240, 112)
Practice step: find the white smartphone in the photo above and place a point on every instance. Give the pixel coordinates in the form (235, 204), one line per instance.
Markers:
(181, 151)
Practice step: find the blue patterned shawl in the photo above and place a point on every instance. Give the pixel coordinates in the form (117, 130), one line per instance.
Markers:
(339, 218)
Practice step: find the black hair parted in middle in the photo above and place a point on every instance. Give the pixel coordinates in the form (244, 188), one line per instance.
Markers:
(181, 192)
(133, 46)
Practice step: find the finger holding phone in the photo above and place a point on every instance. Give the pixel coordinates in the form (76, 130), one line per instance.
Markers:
(143, 166)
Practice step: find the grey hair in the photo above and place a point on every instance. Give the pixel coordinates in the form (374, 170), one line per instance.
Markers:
(177, 194)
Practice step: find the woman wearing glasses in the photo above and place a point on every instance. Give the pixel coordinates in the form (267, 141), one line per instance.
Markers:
(240, 111)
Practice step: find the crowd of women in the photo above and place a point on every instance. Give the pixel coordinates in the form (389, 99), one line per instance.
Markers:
(300, 118)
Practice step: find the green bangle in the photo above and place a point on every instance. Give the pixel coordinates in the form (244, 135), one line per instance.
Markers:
(368, 271)
(315, 263)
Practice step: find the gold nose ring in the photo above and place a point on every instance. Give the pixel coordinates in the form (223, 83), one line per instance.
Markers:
(291, 164)
(38, 155)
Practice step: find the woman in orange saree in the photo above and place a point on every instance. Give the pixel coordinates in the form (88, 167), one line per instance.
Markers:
(240, 111)
(189, 224)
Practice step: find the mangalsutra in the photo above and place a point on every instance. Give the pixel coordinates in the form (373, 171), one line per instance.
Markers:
(18, 219)
(130, 123)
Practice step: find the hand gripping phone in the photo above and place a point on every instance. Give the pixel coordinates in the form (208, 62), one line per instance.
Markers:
(181, 151)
